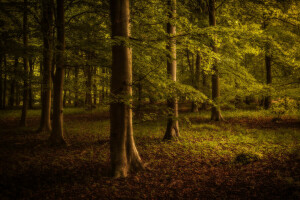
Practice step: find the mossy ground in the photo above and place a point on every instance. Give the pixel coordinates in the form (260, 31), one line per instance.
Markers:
(248, 156)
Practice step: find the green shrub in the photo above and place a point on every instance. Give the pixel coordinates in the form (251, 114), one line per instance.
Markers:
(283, 106)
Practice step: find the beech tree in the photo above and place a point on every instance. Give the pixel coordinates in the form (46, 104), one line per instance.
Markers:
(57, 134)
(47, 32)
(25, 63)
(215, 112)
(123, 152)
(172, 130)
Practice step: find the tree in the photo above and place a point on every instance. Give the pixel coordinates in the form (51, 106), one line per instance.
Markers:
(47, 32)
(25, 63)
(215, 112)
(57, 134)
(172, 130)
(123, 152)
(1, 87)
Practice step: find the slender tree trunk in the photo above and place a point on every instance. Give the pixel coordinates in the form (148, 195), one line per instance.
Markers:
(205, 87)
(88, 99)
(31, 97)
(76, 86)
(95, 93)
(64, 95)
(216, 113)
(123, 153)
(103, 84)
(1, 86)
(172, 130)
(46, 67)
(5, 82)
(25, 60)
(197, 79)
(139, 103)
(57, 133)
(192, 70)
(268, 61)
(13, 84)
(17, 92)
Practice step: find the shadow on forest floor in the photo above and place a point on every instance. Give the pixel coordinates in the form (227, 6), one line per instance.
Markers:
(198, 166)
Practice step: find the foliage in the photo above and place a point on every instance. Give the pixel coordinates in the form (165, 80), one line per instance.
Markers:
(284, 106)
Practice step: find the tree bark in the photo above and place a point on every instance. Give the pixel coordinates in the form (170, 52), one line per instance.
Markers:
(13, 84)
(25, 62)
(5, 82)
(197, 79)
(57, 133)
(268, 60)
(17, 92)
(172, 130)
(76, 103)
(193, 78)
(47, 31)
(215, 112)
(31, 97)
(1, 85)
(123, 153)
(88, 96)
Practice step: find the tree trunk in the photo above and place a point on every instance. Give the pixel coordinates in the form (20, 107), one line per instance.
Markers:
(197, 79)
(57, 133)
(17, 97)
(31, 97)
(123, 153)
(95, 93)
(172, 130)
(192, 70)
(216, 113)
(139, 103)
(268, 61)
(76, 103)
(64, 98)
(5, 83)
(13, 84)
(25, 60)
(88, 99)
(1, 90)
(47, 31)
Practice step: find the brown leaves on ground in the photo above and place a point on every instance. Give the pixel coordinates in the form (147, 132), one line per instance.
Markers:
(31, 169)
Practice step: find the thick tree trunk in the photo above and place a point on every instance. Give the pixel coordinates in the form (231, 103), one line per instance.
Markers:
(172, 130)
(57, 133)
(215, 112)
(123, 153)
(268, 99)
(25, 62)
(47, 31)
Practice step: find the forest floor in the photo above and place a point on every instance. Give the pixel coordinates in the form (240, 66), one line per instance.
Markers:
(248, 156)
